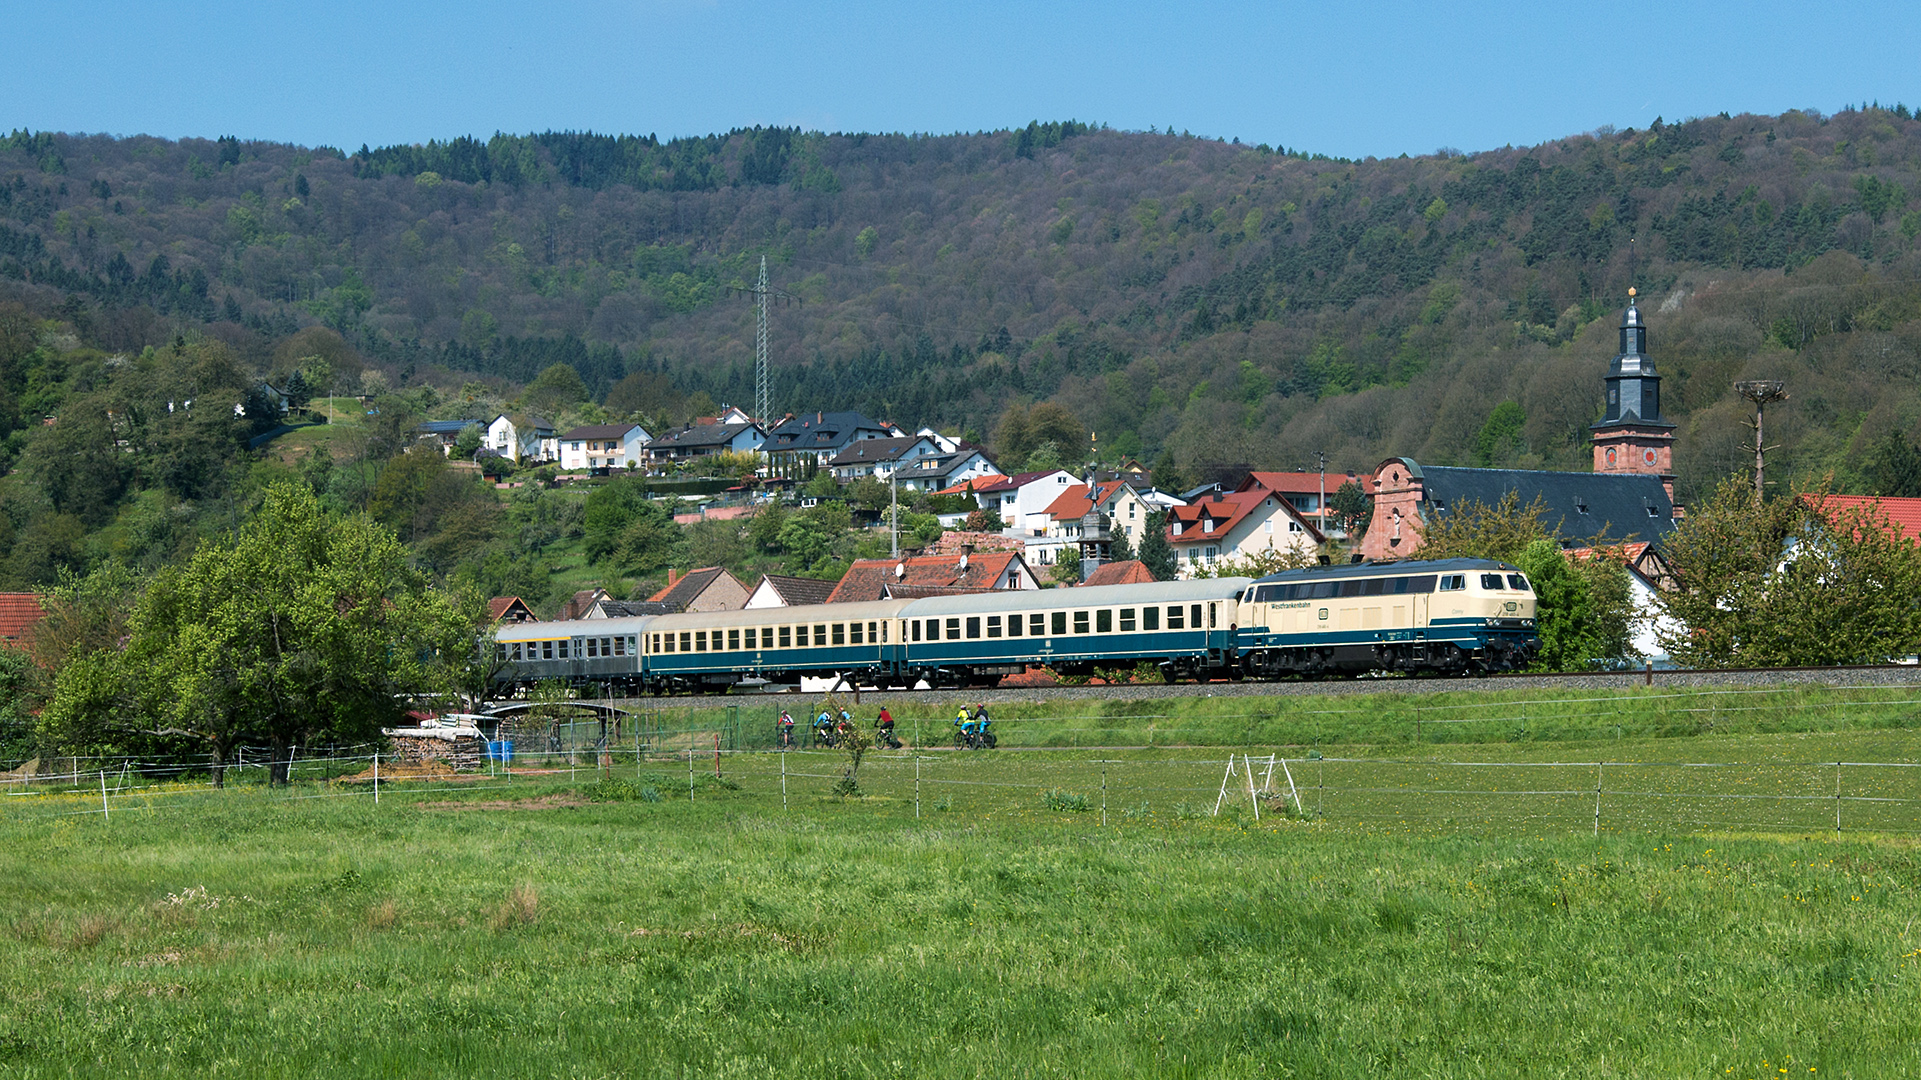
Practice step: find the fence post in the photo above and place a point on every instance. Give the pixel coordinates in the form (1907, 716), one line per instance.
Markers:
(103, 796)
(1103, 794)
(1837, 797)
(376, 778)
(1598, 767)
(690, 765)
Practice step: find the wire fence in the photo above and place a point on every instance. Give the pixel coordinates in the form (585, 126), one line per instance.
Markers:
(1137, 787)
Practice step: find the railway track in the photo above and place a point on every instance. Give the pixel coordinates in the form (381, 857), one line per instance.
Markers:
(1865, 675)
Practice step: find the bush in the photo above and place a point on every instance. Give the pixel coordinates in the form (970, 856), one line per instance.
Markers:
(1056, 799)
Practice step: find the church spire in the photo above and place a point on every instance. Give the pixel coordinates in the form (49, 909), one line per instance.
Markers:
(1633, 436)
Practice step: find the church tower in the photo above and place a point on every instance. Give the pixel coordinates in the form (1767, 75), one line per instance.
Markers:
(1633, 436)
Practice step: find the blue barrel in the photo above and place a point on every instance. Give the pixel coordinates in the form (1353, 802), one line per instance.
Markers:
(500, 749)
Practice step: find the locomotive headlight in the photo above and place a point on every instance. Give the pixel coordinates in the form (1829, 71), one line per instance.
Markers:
(1511, 605)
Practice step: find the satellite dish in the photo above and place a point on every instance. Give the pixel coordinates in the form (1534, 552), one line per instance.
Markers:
(963, 562)
(900, 570)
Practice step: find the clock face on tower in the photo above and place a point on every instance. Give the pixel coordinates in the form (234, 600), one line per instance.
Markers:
(1610, 455)
(1647, 456)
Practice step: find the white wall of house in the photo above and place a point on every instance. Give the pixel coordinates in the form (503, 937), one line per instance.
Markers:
(1267, 526)
(1023, 511)
(605, 453)
(500, 436)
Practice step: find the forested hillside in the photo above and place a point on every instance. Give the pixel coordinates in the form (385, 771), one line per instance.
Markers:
(1204, 305)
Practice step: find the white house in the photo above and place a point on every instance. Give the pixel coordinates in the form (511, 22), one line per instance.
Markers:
(1022, 500)
(1238, 525)
(603, 446)
(529, 438)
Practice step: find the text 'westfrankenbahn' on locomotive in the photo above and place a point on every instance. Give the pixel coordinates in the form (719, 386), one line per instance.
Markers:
(1453, 616)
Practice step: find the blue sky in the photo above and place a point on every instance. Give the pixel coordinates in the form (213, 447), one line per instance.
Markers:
(1351, 79)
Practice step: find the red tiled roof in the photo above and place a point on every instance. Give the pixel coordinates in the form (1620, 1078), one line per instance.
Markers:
(499, 607)
(951, 542)
(869, 579)
(798, 591)
(1303, 483)
(18, 613)
(1214, 517)
(1128, 572)
(1074, 503)
(1904, 514)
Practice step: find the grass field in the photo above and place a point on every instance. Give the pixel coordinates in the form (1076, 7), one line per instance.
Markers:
(521, 928)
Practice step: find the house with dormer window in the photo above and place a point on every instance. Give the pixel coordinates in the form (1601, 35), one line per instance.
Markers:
(1235, 525)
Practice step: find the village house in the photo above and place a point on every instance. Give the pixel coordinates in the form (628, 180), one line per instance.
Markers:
(779, 590)
(604, 446)
(879, 458)
(1304, 492)
(710, 588)
(819, 436)
(696, 442)
(525, 439)
(1236, 525)
(938, 472)
(1022, 500)
(932, 575)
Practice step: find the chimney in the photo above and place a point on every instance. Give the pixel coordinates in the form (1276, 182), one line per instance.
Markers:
(966, 550)
(672, 576)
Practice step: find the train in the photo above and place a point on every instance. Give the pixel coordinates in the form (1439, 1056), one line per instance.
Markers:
(1442, 617)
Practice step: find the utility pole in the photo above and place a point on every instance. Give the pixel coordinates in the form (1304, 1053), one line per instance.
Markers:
(893, 513)
(1761, 392)
(1321, 506)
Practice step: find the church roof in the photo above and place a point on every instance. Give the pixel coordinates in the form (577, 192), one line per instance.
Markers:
(1581, 507)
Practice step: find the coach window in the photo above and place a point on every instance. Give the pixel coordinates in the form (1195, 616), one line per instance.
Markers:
(1013, 626)
(1194, 616)
(840, 633)
(1080, 622)
(1174, 620)
(973, 627)
(1060, 622)
(933, 629)
(733, 639)
(913, 629)
(593, 647)
(562, 646)
(1490, 581)
(1453, 582)
(1150, 618)
(1104, 621)
(607, 646)
(1036, 625)
(786, 639)
(1213, 616)
(686, 641)
(500, 651)
(752, 637)
(546, 650)
(853, 633)
(820, 635)
(993, 626)
(700, 640)
(953, 629)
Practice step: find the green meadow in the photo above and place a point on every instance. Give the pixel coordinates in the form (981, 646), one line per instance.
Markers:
(1398, 908)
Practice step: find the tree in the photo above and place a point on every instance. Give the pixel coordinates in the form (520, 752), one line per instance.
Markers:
(1474, 530)
(556, 386)
(1894, 467)
(1580, 620)
(305, 625)
(1120, 550)
(1353, 509)
(469, 441)
(1155, 552)
(983, 521)
(1067, 566)
(1789, 582)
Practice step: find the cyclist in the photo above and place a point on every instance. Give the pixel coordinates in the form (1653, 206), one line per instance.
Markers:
(786, 729)
(981, 721)
(969, 730)
(824, 728)
(885, 724)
